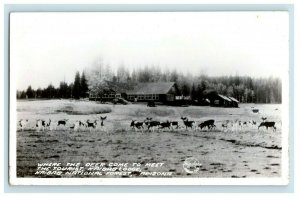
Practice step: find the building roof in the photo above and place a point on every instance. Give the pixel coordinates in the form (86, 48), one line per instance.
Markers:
(152, 88)
(224, 97)
(233, 99)
(119, 86)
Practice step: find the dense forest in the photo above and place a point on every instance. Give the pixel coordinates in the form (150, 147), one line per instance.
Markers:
(77, 89)
(99, 78)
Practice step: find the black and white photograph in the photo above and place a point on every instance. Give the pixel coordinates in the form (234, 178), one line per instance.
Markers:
(149, 98)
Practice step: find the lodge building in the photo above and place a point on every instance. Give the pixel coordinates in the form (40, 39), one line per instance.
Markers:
(164, 92)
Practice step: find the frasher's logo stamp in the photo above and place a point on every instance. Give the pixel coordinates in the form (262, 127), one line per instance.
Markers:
(191, 165)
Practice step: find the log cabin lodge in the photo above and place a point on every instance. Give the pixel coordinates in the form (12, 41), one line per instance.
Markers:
(163, 92)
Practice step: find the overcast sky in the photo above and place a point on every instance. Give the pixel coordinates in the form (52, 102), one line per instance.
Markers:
(50, 47)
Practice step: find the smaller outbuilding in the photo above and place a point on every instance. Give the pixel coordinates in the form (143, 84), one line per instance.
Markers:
(219, 100)
(235, 102)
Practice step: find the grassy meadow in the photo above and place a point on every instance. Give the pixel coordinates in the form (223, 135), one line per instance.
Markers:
(243, 152)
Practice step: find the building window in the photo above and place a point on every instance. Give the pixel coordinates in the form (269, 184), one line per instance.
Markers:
(170, 97)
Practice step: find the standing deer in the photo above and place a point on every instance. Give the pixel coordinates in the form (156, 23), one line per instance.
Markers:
(102, 120)
(187, 123)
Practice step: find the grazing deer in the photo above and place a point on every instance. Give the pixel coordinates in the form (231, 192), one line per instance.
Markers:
(267, 125)
(73, 126)
(175, 123)
(23, 123)
(208, 123)
(48, 124)
(91, 124)
(137, 125)
(80, 124)
(165, 125)
(40, 124)
(153, 124)
(62, 122)
(224, 126)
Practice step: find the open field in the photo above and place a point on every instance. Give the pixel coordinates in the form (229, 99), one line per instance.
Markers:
(233, 152)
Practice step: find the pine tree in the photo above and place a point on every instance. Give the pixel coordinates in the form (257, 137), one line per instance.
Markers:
(83, 86)
(185, 89)
(39, 93)
(194, 93)
(30, 92)
(77, 87)
(50, 91)
(62, 90)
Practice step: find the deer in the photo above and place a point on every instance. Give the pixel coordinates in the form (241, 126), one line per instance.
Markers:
(151, 123)
(102, 120)
(62, 122)
(91, 124)
(267, 125)
(23, 123)
(208, 123)
(187, 123)
(40, 124)
(165, 125)
(137, 125)
(175, 123)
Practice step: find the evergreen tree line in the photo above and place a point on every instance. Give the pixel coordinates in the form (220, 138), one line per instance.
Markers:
(244, 88)
(77, 89)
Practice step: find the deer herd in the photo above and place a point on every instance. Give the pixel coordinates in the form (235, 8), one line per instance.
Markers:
(41, 124)
(148, 124)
